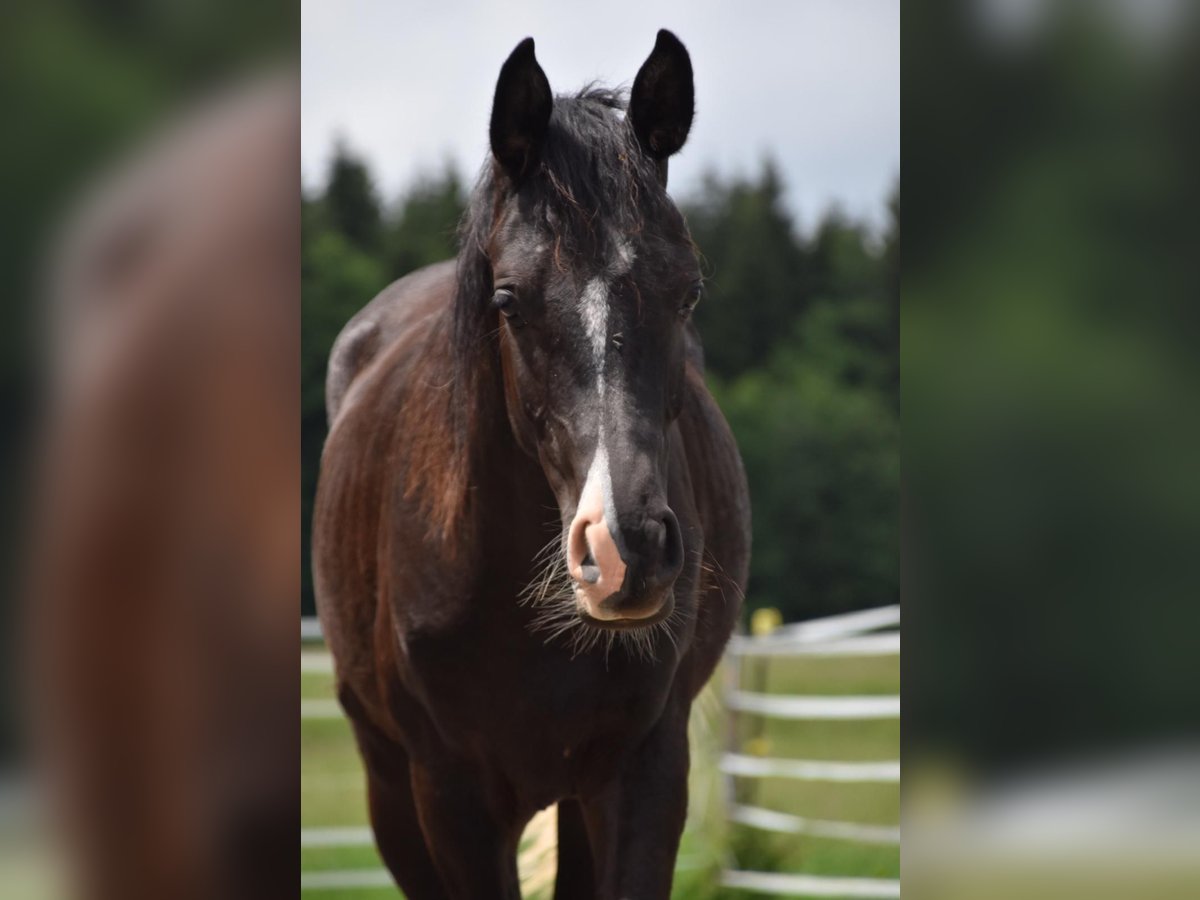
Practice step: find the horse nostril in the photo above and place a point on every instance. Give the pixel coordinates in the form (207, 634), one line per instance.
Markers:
(657, 535)
(670, 545)
(593, 560)
(588, 570)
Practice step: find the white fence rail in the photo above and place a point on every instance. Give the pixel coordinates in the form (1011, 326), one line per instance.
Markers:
(864, 645)
(776, 706)
(844, 625)
(336, 837)
(320, 709)
(811, 885)
(310, 628)
(316, 662)
(346, 880)
(786, 823)
(810, 770)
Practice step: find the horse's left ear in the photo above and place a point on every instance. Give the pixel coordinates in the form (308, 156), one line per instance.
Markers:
(663, 99)
(520, 112)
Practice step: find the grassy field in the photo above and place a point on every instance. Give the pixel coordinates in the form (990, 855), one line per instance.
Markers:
(332, 785)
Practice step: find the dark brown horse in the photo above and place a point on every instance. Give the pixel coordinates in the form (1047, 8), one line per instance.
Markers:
(531, 530)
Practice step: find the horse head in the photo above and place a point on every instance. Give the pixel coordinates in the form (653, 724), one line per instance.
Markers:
(581, 265)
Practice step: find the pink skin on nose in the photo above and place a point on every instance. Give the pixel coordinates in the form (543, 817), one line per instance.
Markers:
(589, 531)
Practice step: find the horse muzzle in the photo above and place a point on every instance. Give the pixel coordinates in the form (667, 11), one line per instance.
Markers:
(627, 577)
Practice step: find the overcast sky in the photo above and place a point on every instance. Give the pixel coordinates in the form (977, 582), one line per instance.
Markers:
(814, 83)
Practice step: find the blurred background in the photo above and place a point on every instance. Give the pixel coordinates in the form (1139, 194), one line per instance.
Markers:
(790, 182)
(1051, 439)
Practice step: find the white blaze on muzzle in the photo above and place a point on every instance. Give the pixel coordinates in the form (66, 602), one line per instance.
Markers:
(601, 576)
(591, 532)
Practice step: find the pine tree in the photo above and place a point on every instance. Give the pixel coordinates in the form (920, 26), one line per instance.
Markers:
(351, 205)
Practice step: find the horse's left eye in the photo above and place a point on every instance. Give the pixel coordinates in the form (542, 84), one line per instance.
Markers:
(689, 303)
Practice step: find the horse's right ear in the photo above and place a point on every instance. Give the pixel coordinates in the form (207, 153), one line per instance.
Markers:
(520, 112)
(662, 103)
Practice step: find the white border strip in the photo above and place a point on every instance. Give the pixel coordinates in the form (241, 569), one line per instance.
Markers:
(784, 707)
(785, 823)
(811, 885)
(809, 769)
(886, 644)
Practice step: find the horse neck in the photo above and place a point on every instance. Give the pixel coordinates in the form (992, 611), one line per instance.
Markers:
(450, 416)
(504, 507)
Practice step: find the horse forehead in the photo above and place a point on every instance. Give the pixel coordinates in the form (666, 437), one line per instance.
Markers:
(614, 261)
(621, 257)
(598, 289)
(593, 310)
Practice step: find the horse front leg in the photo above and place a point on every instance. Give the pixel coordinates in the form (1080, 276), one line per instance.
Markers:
(635, 823)
(473, 845)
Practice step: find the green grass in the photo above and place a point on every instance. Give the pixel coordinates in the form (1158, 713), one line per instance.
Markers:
(332, 786)
(330, 858)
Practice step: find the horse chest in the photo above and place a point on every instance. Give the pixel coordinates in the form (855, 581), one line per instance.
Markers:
(548, 722)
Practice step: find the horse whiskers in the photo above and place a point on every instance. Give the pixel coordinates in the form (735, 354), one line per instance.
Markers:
(551, 592)
(719, 572)
(552, 582)
(550, 548)
(665, 627)
(557, 618)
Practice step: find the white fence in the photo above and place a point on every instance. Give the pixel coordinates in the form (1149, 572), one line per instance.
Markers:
(845, 635)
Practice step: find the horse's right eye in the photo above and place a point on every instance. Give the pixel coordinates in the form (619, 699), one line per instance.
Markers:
(689, 303)
(506, 301)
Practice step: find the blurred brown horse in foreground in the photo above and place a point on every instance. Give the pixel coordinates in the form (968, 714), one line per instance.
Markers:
(165, 571)
(532, 526)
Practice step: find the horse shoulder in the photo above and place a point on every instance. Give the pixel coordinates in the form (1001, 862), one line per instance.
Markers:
(361, 506)
(388, 317)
